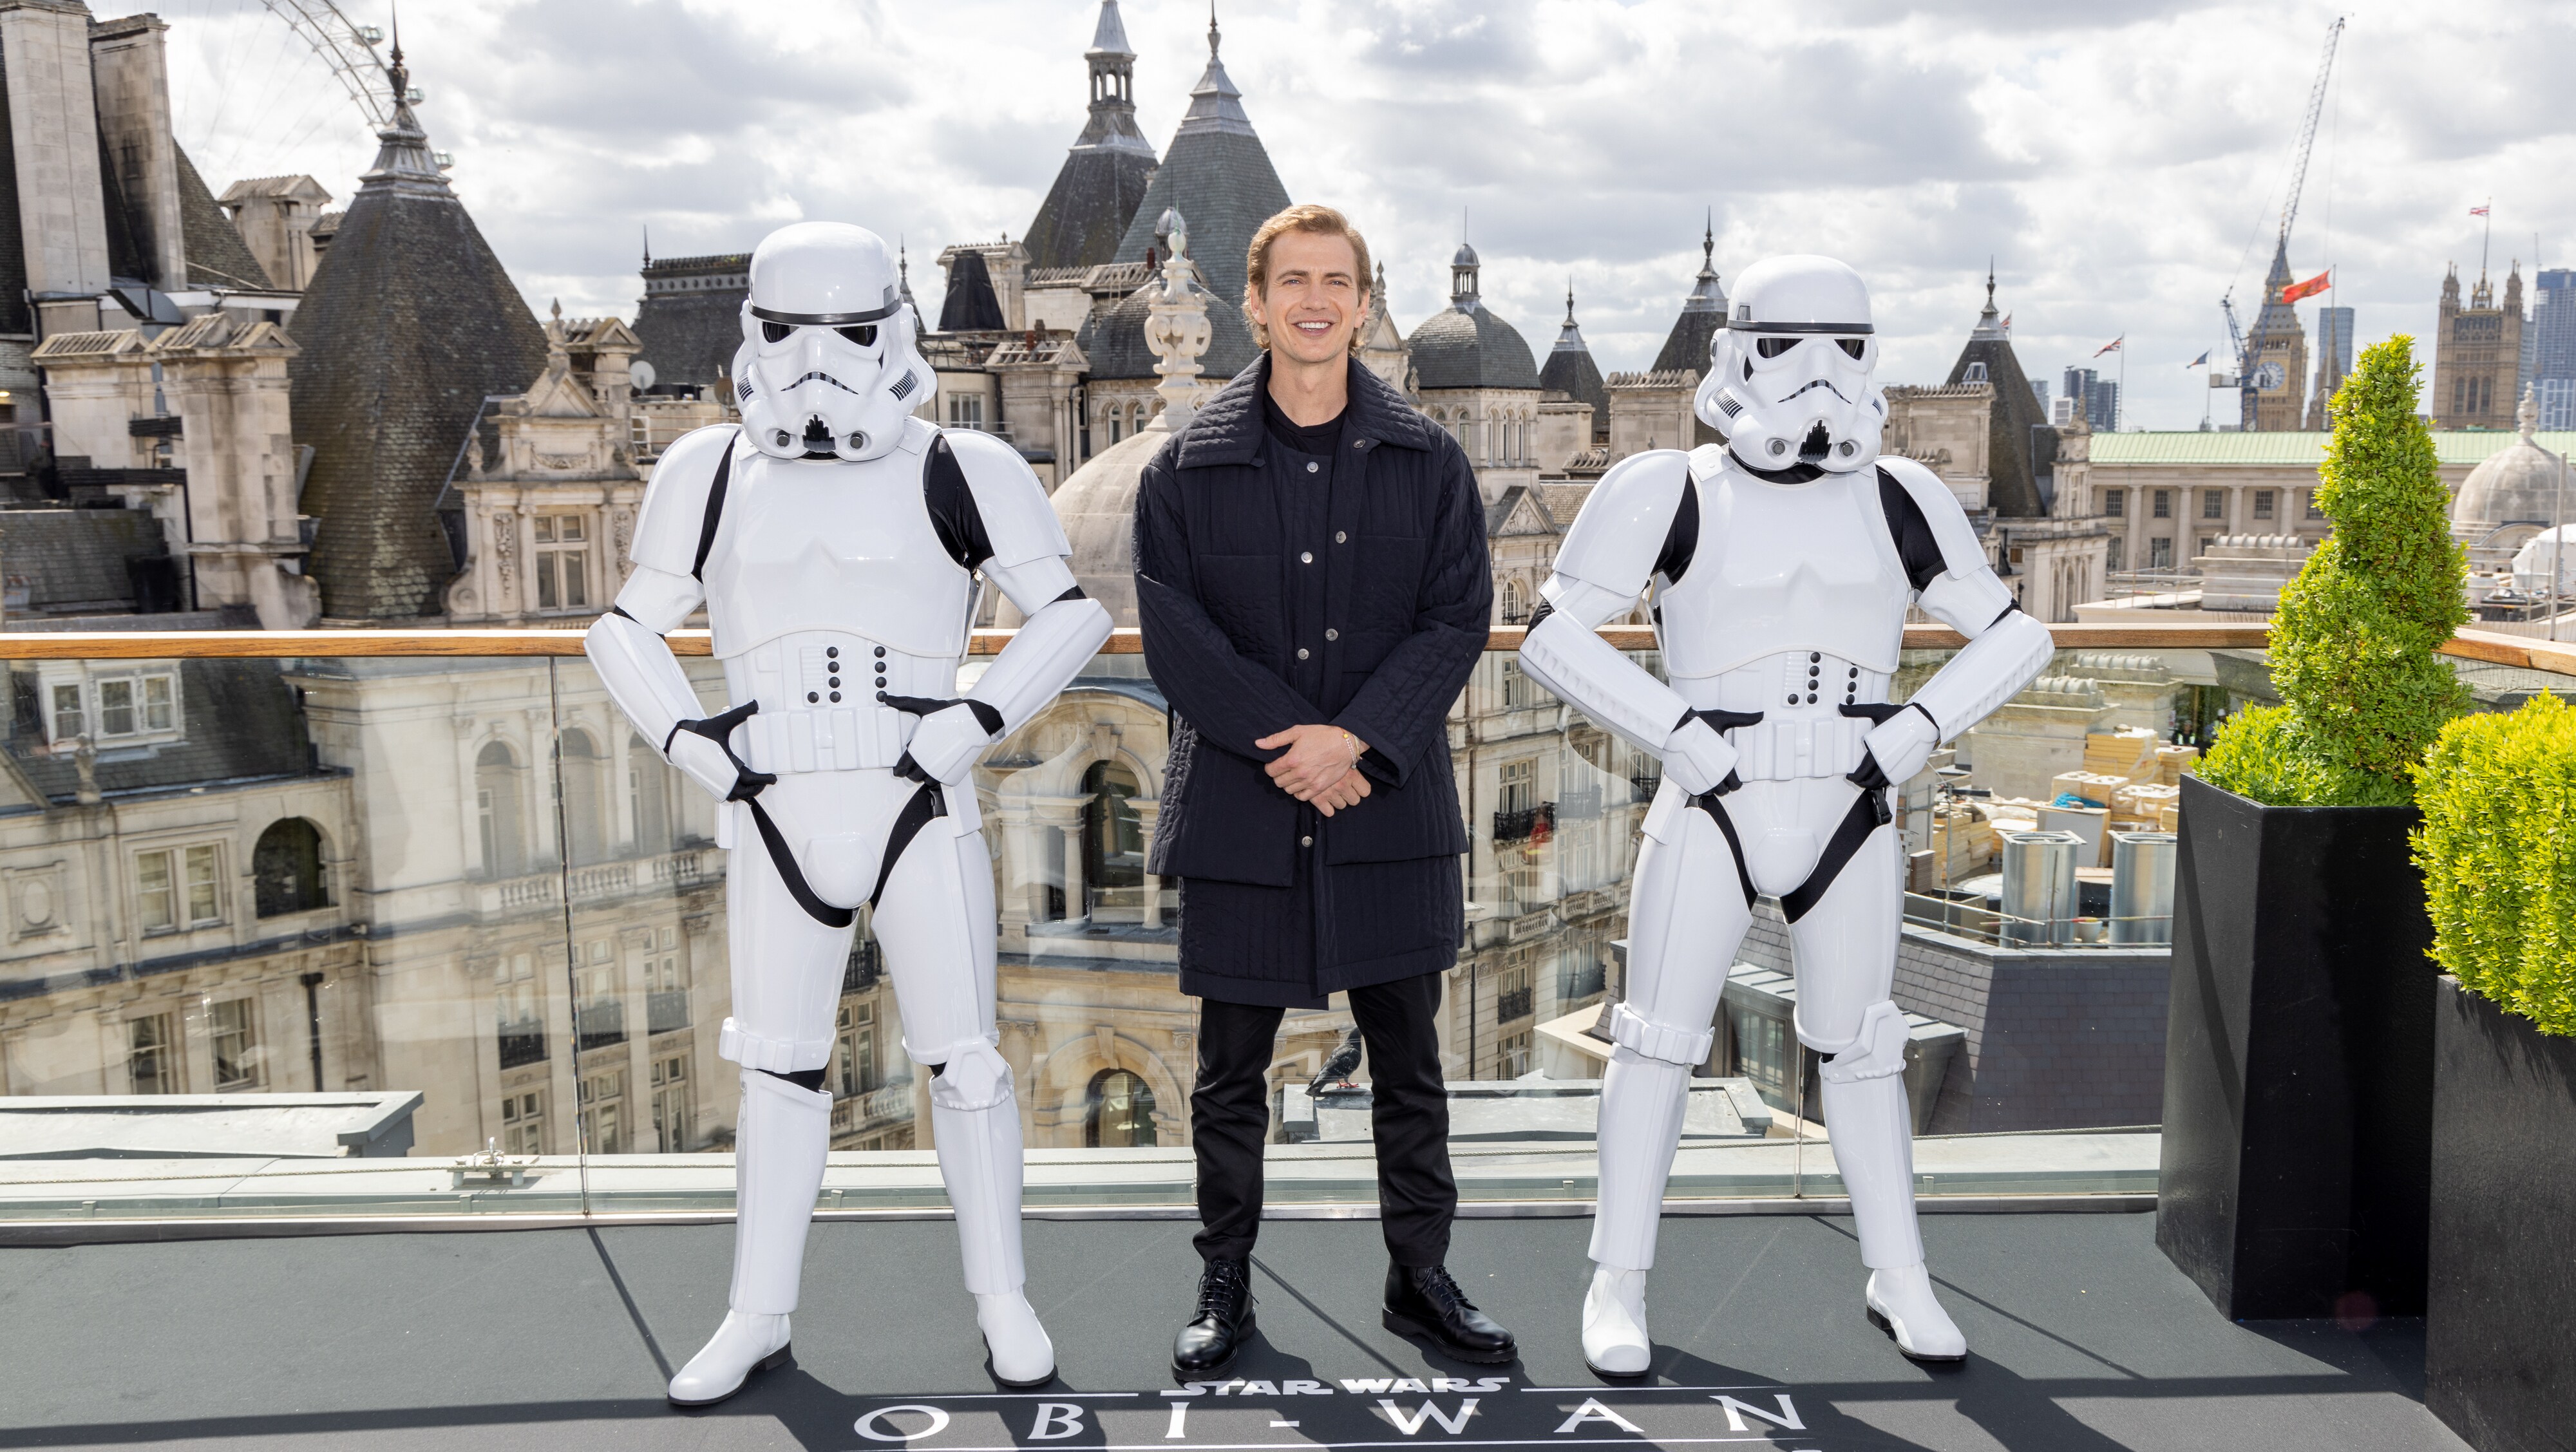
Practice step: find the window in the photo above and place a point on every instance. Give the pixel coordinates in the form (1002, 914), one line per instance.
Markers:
(585, 803)
(68, 718)
(563, 563)
(2164, 504)
(2117, 552)
(1512, 997)
(600, 1120)
(151, 1055)
(857, 1050)
(1518, 690)
(1513, 1050)
(648, 797)
(1113, 426)
(523, 1122)
(232, 1031)
(2115, 503)
(520, 1029)
(2313, 511)
(1510, 596)
(1976, 373)
(1113, 840)
(2213, 504)
(2263, 503)
(1515, 776)
(2160, 554)
(286, 868)
(113, 708)
(1120, 1112)
(966, 410)
(496, 811)
(671, 1104)
(176, 888)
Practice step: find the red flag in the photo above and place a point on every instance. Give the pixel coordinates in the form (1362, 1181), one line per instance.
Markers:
(2113, 346)
(2309, 288)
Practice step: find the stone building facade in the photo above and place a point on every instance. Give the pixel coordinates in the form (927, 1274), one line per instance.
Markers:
(2477, 354)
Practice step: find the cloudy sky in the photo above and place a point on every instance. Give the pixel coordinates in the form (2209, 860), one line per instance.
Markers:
(2123, 165)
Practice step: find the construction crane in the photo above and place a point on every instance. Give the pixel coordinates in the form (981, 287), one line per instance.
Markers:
(2237, 338)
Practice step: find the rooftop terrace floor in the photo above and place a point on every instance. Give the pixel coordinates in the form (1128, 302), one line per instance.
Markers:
(2085, 1340)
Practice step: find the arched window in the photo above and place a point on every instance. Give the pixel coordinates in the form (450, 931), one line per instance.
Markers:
(497, 811)
(648, 797)
(1120, 1114)
(1511, 598)
(1113, 837)
(286, 868)
(585, 814)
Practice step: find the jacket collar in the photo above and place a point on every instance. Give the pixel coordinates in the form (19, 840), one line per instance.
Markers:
(1229, 429)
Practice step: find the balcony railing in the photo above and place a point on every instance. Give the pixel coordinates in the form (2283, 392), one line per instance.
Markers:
(522, 1042)
(600, 1024)
(871, 1109)
(666, 1011)
(1529, 822)
(1511, 1003)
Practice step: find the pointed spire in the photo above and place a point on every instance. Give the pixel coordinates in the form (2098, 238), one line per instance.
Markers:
(404, 161)
(1215, 105)
(1569, 338)
(648, 244)
(1706, 295)
(1569, 302)
(1110, 36)
(1989, 322)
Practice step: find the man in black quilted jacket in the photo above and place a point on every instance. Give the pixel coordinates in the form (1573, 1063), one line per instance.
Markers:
(1313, 589)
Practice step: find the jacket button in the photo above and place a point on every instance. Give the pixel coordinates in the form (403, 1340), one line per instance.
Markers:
(1312, 466)
(1332, 635)
(1305, 841)
(1301, 652)
(1306, 557)
(1341, 536)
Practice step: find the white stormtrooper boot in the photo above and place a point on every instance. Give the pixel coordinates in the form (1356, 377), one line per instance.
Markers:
(1873, 1141)
(976, 1121)
(1642, 1103)
(779, 1147)
(1614, 1323)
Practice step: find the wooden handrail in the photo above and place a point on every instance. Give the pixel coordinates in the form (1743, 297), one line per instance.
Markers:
(2511, 650)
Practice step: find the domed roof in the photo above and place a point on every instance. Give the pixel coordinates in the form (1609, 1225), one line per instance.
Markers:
(1465, 257)
(1469, 347)
(1115, 341)
(2517, 484)
(1097, 506)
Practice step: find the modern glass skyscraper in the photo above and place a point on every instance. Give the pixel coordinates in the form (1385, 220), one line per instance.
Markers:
(2553, 360)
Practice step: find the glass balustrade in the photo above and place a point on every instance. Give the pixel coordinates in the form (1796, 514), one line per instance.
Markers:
(415, 933)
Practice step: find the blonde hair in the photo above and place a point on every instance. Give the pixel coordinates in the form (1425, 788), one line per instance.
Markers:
(1305, 217)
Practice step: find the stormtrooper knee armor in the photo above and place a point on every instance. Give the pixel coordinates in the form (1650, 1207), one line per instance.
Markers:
(834, 541)
(1781, 565)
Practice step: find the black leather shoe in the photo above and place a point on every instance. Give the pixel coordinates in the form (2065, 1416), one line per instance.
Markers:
(1423, 1301)
(1207, 1345)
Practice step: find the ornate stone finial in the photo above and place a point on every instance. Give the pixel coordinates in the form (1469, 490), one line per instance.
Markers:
(1708, 241)
(1212, 35)
(1176, 330)
(2528, 414)
(1569, 302)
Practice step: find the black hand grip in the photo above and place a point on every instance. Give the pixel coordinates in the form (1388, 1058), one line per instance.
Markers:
(747, 783)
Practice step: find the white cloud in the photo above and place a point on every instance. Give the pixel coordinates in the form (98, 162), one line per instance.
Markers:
(2122, 165)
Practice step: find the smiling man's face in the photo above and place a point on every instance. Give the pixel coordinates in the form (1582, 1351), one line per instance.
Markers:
(1314, 299)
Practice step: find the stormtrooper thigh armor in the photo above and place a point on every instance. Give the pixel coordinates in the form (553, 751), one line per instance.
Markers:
(835, 542)
(1781, 566)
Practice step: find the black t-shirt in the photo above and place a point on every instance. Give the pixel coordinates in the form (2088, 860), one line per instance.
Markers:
(1320, 440)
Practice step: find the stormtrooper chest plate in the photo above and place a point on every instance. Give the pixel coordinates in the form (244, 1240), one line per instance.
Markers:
(1796, 567)
(834, 547)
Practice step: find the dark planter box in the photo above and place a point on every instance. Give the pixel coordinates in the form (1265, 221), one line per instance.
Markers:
(2500, 1332)
(2298, 1060)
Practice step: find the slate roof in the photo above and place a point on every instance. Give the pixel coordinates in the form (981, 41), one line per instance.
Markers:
(1470, 347)
(2017, 428)
(971, 305)
(15, 317)
(217, 255)
(1104, 176)
(410, 322)
(1703, 313)
(1569, 370)
(1114, 341)
(690, 317)
(73, 560)
(1218, 175)
(238, 718)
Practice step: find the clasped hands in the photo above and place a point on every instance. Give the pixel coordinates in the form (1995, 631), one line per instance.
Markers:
(1320, 765)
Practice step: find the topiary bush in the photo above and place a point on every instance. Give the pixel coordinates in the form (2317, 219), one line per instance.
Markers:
(2498, 852)
(2354, 643)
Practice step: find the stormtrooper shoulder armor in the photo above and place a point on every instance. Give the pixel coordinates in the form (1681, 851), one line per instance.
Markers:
(675, 502)
(1019, 523)
(1620, 534)
(1961, 553)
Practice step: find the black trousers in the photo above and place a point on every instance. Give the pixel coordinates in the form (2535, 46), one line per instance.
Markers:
(1230, 1119)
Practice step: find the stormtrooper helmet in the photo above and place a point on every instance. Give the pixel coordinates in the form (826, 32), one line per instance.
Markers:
(829, 365)
(1789, 381)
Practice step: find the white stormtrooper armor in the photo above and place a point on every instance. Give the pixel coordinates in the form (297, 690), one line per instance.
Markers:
(1782, 564)
(834, 541)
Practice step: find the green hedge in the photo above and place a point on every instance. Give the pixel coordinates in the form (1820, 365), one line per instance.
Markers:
(2354, 642)
(2498, 853)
